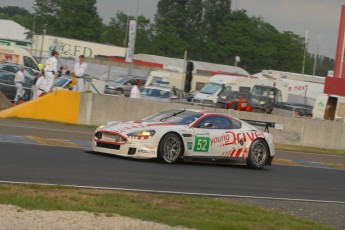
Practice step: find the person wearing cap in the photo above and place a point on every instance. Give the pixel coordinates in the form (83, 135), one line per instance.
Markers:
(79, 72)
(50, 69)
(19, 80)
(135, 92)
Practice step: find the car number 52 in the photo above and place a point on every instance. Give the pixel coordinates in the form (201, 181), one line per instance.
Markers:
(202, 144)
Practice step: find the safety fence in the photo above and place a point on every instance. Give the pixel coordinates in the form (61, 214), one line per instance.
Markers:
(9, 90)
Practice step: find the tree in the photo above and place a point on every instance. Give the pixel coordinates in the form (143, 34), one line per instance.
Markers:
(69, 18)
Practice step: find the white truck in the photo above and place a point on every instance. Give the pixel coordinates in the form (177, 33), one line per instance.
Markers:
(19, 56)
(44, 44)
(329, 107)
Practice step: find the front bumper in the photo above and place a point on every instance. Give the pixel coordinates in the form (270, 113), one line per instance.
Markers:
(129, 149)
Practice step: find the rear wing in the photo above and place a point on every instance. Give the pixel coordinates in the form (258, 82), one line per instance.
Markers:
(264, 124)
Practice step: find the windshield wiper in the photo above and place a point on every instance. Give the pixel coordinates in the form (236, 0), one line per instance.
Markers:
(172, 115)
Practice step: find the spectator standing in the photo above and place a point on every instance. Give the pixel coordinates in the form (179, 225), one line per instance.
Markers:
(50, 69)
(41, 86)
(19, 81)
(135, 92)
(79, 71)
(34, 88)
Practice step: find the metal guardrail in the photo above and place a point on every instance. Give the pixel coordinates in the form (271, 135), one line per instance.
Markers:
(9, 90)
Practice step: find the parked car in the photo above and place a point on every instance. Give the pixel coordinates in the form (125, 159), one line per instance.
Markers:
(122, 85)
(63, 82)
(293, 111)
(8, 88)
(14, 68)
(160, 93)
(188, 135)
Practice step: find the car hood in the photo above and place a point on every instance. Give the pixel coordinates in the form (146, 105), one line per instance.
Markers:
(132, 126)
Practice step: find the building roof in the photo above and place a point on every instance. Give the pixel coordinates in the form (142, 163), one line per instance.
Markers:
(178, 65)
(12, 30)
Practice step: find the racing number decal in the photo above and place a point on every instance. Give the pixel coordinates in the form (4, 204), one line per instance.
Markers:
(202, 144)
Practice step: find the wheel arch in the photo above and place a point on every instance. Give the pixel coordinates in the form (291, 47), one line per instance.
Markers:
(179, 135)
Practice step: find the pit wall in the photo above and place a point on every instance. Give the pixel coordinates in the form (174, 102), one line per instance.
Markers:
(99, 109)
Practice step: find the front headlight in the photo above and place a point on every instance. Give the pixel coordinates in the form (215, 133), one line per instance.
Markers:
(262, 102)
(142, 133)
(100, 127)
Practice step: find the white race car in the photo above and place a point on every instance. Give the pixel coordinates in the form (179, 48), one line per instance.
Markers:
(191, 135)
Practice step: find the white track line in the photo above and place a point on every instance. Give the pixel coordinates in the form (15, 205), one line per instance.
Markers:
(178, 193)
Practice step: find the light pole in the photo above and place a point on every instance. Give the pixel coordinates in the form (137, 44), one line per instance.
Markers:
(33, 27)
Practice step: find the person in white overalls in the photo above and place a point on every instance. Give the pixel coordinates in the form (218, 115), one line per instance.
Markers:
(50, 69)
(19, 80)
(79, 71)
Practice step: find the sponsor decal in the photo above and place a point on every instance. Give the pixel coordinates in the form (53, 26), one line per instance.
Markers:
(241, 152)
(298, 88)
(145, 151)
(231, 138)
(202, 134)
(202, 144)
(189, 145)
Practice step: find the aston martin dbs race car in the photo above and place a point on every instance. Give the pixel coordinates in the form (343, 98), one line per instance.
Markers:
(189, 135)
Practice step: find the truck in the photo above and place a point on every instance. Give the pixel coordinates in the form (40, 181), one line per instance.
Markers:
(259, 98)
(43, 45)
(292, 91)
(329, 107)
(19, 56)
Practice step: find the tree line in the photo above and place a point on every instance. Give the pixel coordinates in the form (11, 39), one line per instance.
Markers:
(209, 31)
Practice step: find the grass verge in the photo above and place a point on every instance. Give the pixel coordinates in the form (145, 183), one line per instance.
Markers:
(174, 210)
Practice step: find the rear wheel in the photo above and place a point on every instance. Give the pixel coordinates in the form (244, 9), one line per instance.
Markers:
(234, 105)
(258, 154)
(170, 148)
(119, 92)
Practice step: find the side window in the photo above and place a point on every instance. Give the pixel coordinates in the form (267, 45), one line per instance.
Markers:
(227, 89)
(29, 62)
(215, 122)
(236, 124)
(278, 97)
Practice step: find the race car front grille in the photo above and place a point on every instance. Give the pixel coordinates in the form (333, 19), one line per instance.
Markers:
(110, 137)
(107, 146)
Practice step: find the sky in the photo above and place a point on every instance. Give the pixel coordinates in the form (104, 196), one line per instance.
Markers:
(319, 17)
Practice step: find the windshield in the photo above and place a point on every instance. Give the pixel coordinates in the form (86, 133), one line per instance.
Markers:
(60, 82)
(261, 91)
(211, 88)
(161, 93)
(180, 117)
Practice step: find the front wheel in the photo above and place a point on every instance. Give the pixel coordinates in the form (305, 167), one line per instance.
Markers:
(170, 148)
(258, 154)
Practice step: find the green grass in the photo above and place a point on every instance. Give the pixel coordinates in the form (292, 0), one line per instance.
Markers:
(174, 210)
(306, 149)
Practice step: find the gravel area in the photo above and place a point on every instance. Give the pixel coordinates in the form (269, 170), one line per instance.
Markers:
(13, 218)
(331, 214)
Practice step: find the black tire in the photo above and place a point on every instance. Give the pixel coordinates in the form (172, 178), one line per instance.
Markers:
(234, 105)
(119, 92)
(170, 148)
(258, 154)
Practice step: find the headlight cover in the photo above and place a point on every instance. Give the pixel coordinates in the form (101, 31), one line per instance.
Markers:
(262, 102)
(142, 133)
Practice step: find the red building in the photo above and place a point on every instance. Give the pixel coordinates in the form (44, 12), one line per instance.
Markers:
(336, 84)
